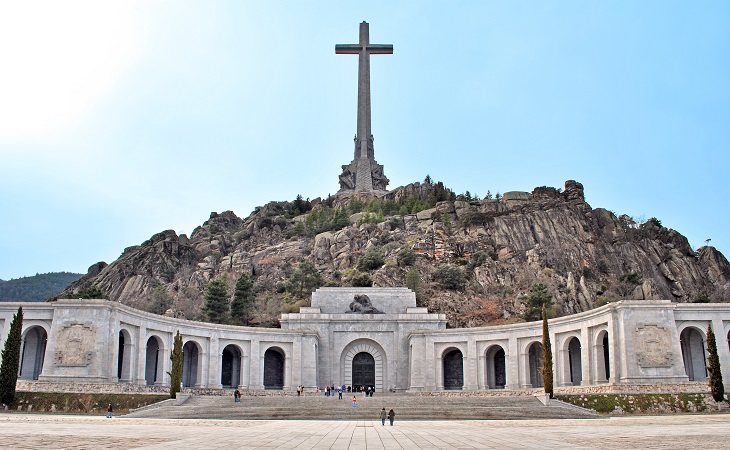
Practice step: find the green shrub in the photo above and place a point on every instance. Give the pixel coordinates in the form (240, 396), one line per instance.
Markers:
(359, 279)
(450, 277)
(372, 259)
(406, 257)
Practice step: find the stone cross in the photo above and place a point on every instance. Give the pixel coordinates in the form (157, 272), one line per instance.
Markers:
(368, 175)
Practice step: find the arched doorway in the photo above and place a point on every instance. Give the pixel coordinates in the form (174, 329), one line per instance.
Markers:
(274, 368)
(34, 351)
(603, 367)
(496, 373)
(153, 361)
(574, 362)
(363, 370)
(379, 365)
(124, 357)
(536, 360)
(693, 354)
(190, 364)
(231, 366)
(453, 365)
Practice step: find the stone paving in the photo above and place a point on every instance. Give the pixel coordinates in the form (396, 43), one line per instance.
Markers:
(21, 431)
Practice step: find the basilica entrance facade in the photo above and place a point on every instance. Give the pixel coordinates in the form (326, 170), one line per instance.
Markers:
(363, 364)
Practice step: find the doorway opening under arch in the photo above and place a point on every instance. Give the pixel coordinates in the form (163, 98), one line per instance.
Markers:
(453, 367)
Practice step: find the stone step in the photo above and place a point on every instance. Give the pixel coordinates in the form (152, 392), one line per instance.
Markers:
(324, 408)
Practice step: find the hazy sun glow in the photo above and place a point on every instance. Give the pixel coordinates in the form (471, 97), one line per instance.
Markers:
(59, 59)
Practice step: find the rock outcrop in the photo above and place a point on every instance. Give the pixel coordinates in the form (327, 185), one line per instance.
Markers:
(475, 260)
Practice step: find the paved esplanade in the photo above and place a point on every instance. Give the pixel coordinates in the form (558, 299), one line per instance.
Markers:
(47, 431)
(363, 174)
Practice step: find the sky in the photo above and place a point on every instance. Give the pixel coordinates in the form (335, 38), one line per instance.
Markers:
(122, 119)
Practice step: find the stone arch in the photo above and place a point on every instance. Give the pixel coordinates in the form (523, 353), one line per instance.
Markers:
(452, 361)
(601, 354)
(33, 352)
(192, 366)
(154, 361)
(124, 356)
(496, 367)
(274, 367)
(535, 359)
(231, 365)
(692, 342)
(573, 361)
(372, 348)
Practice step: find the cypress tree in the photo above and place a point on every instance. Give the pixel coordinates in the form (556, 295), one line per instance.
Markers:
(242, 301)
(713, 366)
(11, 359)
(547, 351)
(177, 365)
(216, 301)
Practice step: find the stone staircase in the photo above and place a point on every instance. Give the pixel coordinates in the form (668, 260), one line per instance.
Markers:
(406, 406)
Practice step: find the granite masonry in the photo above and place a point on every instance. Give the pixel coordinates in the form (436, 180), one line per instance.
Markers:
(367, 337)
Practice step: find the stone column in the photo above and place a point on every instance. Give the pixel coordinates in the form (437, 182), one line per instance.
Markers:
(511, 361)
(139, 377)
(586, 355)
(417, 354)
(164, 354)
(213, 363)
(287, 371)
(525, 382)
(481, 371)
(245, 371)
(470, 369)
(257, 366)
(433, 368)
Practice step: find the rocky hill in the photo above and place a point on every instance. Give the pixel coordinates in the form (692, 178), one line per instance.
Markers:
(36, 288)
(474, 260)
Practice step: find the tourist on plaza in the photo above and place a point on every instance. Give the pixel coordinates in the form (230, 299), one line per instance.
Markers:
(383, 415)
(109, 410)
(339, 393)
(236, 396)
(391, 416)
(354, 401)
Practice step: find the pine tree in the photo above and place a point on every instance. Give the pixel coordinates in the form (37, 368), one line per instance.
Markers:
(713, 366)
(305, 279)
(11, 359)
(536, 299)
(216, 301)
(547, 351)
(413, 282)
(242, 302)
(177, 365)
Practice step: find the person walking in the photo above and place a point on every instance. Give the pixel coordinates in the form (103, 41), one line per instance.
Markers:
(109, 411)
(391, 416)
(383, 415)
(354, 401)
(236, 396)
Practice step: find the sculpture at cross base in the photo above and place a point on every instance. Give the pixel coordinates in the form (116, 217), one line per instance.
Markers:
(363, 174)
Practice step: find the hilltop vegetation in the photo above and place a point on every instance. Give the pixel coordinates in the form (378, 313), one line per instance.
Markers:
(36, 288)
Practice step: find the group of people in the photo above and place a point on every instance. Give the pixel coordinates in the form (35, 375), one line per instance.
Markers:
(390, 415)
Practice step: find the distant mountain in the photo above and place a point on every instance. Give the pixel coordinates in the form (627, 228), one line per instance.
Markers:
(36, 288)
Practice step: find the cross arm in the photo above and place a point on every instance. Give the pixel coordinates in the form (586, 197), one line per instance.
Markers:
(351, 49)
(379, 49)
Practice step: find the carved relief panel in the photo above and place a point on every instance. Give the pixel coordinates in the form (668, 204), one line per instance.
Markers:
(75, 345)
(653, 346)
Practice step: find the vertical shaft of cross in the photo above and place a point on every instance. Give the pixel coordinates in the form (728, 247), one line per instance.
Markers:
(363, 94)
